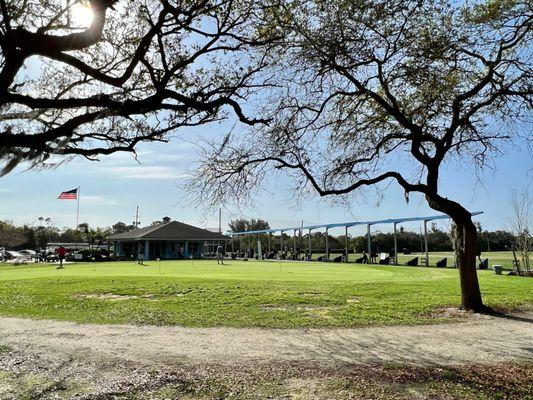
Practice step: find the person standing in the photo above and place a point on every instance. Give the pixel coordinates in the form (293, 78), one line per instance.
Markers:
(220, 255)
(140, 256)
(61, 253)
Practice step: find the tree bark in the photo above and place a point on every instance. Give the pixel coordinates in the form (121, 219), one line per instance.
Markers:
(465, 239)
(465, 248)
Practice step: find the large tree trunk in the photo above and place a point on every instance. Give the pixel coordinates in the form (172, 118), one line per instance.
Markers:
(465, 247)
(465, 239)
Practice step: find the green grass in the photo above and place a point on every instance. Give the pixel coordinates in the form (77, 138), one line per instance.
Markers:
(244, 294)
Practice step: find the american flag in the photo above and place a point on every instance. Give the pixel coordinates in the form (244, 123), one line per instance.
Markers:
(69, 195)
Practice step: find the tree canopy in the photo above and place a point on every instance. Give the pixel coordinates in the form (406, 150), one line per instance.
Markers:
(121, 227)
(136, 72)
(363, 82)
(242, 225)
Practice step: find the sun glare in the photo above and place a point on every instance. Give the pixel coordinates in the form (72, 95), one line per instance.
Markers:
(81, 15)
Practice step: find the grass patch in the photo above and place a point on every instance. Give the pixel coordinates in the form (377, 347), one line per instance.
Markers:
(251, 294)
(4, 348)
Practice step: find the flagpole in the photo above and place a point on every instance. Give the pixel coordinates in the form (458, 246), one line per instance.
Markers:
(77, 216)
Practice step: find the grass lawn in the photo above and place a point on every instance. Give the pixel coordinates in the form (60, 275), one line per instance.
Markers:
(245, 294)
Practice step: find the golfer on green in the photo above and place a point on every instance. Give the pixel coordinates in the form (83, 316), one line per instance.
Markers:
(220, 255)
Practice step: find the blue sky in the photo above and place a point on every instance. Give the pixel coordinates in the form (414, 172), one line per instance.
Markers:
(113, 187)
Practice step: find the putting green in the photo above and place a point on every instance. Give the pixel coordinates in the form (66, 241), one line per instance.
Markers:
(245, 294)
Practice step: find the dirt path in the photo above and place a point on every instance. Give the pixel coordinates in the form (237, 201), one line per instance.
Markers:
(477, 340)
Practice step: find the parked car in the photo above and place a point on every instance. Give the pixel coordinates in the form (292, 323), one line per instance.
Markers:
(16, 257)
(52, 257)
(30, 254)
(12, 254)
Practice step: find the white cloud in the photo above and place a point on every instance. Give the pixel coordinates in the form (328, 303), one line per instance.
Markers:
(98, 200)
(4, 190)
(144, 172)
(170, 157)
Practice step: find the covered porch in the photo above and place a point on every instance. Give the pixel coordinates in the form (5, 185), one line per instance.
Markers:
(164, 249)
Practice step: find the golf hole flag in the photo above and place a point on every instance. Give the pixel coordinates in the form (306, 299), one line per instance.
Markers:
(69, 195)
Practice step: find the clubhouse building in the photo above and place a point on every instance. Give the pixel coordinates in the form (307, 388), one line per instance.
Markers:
(166, 240)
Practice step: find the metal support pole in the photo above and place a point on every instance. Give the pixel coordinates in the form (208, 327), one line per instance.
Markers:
(369, 242)
(294, 242)
(310, 247)
(395, 246)
(301, 240)
(269, 241)
(232, 244)
(327, 245)
(346, 243)
(281, 244)
(426, 242)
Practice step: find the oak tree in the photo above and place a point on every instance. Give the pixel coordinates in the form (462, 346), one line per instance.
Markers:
(381, 91)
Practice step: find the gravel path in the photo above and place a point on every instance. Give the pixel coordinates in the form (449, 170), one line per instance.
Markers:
(476, 339)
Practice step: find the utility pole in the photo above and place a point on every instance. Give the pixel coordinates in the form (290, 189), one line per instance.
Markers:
(136, 223)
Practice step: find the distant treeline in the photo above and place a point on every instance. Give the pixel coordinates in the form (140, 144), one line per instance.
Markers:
(31, 237)
(39, 235)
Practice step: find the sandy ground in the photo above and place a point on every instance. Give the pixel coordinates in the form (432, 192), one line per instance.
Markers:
(477, 339)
